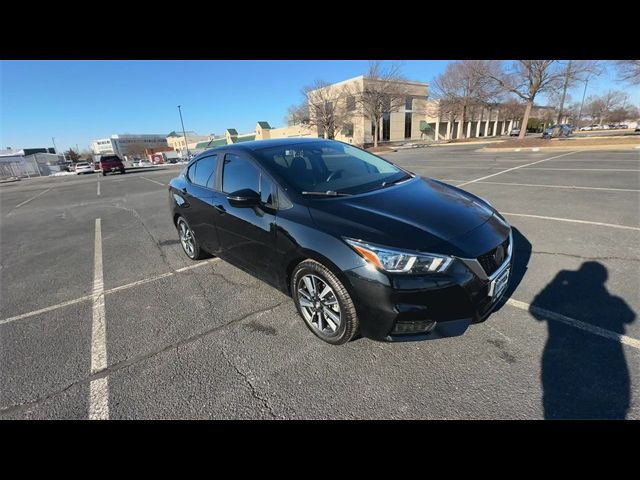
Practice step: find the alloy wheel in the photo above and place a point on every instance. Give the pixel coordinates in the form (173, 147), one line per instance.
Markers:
(319, 304)
(186, 238)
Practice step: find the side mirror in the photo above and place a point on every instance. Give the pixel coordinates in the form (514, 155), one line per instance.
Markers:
(244, 198)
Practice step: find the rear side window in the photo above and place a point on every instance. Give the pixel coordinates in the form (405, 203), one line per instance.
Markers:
(238, 174)
(203, 172)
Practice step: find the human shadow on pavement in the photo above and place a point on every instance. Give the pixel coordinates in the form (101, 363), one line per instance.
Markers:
(584, 375)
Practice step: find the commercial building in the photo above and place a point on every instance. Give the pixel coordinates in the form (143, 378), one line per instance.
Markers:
(128, 146)
(176, 141)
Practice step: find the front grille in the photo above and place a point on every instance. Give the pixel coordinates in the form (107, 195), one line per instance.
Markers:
(488, 260)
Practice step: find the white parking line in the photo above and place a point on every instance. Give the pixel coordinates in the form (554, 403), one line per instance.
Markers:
(571, 220)
(150, 180)
(106, 292)
(32, 198)
(98, 187)
(602, 332)
(563, 186)
(586, 169)
(514, 168)
(98, 389)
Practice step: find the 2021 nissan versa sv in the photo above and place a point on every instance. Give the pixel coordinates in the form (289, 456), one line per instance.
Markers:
(360, 244)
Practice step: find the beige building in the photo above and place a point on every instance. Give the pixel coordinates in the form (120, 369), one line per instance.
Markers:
(176, 140)
(127, 146)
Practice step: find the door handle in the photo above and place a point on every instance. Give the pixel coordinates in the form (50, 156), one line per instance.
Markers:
(184, 190)
(220, 209)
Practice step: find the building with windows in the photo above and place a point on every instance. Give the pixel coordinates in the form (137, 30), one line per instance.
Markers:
(175, 140)
(416, 117)
(128, 146)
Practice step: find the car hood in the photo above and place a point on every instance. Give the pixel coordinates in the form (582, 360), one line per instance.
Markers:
(421, 214)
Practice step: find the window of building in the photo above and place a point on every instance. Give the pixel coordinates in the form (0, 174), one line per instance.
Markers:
(347, 131)
(238, 174)
(386, 126)
(408, 104)
(351, 103)
(407, 125)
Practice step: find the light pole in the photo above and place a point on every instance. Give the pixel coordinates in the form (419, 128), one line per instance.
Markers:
(586, 82)
(184, 133)
(53, 139)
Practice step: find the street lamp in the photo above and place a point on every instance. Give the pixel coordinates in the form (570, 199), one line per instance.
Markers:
(586, 82)
(184, 133)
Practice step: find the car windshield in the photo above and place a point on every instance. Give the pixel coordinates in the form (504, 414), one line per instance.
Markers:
(329, 166)
(82, 164)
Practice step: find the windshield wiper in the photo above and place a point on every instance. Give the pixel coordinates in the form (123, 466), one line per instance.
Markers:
(328, 193)
(398, 180)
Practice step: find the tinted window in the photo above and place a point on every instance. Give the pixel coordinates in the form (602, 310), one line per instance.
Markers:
(203, 172)
(239, 174)
(322, 166)
(267, 191)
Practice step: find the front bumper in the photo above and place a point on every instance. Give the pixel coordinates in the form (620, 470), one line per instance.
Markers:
(425, 307)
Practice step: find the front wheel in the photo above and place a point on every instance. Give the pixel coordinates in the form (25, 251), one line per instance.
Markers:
(324, 303)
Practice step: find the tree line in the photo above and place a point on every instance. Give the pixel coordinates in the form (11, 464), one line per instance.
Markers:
(469, 86)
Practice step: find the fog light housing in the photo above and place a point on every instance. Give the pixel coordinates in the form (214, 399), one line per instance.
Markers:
(412, 327)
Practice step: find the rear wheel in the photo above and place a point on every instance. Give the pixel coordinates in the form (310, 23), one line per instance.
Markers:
(122, 171)
(190, 245)
(104, 174)
(324, 303)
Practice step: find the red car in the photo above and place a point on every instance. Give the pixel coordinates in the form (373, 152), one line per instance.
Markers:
(110, 163)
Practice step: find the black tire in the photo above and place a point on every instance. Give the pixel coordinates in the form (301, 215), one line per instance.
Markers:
(196, 253)
(349, 324)
(104, 174)
(122, 171)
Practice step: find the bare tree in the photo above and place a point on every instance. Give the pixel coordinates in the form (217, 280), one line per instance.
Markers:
(603, 107)
(298, 114)
(326, 108)
(628, 71)
(384, 91)
(464, 84)
(526, 79)
(575, 71)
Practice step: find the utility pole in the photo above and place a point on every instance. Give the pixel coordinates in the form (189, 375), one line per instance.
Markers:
(184, 133)
(586, 82)
(564, 91)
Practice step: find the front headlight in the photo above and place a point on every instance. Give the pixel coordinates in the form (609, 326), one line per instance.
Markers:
(399, 261)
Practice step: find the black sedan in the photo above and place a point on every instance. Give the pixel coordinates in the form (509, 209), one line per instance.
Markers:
(360, 244)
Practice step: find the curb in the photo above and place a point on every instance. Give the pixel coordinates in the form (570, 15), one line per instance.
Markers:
(563, 148)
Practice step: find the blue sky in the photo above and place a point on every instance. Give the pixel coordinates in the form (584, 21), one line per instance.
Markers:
(78, 101)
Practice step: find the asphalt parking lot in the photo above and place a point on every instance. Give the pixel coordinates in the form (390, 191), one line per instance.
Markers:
(103, 316)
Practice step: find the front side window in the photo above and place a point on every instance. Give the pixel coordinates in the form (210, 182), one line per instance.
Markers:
(238, 174)
(322, 166)
(267, 192)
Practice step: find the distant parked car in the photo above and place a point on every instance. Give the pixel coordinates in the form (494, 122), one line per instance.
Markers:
(111, 163)
(555, 131)
(83, 167)
(623, 126)
(514, 132)
(637, 127)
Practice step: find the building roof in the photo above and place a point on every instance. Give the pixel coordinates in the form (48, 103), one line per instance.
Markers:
(244, 138)
(179, 134)
(265, 125)
(232, 131)
(216, 142)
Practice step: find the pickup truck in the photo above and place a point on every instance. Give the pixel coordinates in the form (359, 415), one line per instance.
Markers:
(110, 163)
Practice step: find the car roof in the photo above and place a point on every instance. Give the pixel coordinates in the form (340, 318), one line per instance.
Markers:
(255, 145)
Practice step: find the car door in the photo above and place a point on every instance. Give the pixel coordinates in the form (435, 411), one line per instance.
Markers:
(247, 234)
(198, 192)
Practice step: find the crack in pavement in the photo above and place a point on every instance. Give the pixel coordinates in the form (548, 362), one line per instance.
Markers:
(19, 407)
(252, 387)
(626, 259)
